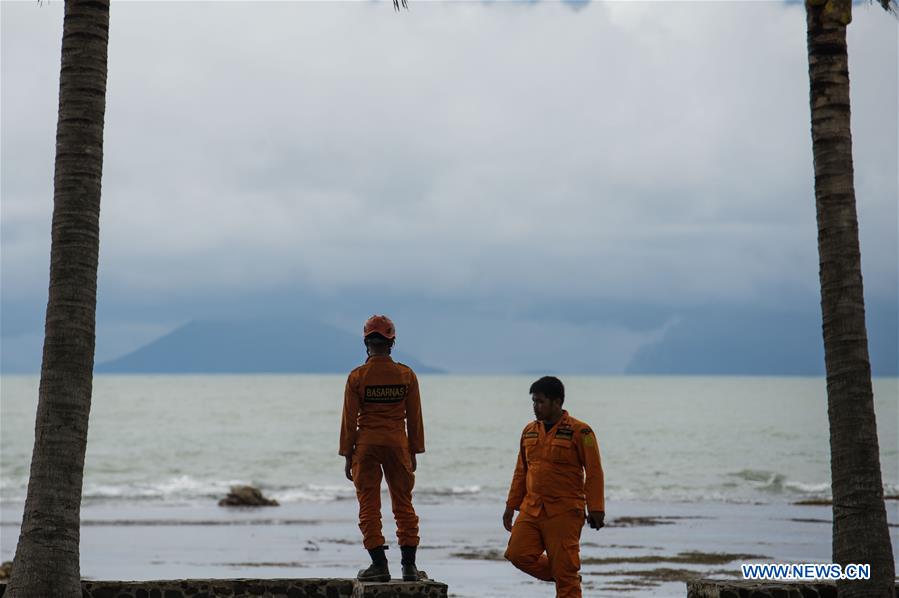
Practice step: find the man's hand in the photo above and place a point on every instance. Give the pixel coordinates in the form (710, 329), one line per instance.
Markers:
(348, 467)
(596, 519)
(414, 462)
(507, 518)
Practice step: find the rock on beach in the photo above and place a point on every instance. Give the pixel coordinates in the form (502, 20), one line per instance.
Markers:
(246, 496)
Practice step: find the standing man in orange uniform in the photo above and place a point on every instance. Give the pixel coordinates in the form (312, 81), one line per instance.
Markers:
(558, 474)
(381, 432)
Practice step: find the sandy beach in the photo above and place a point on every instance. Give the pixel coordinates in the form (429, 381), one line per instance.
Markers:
(647, 548)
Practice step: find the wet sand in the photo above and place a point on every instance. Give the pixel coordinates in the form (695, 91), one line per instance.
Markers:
(648, 548)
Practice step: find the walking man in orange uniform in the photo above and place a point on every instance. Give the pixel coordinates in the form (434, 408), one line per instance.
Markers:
(558, 474)
(381, 432)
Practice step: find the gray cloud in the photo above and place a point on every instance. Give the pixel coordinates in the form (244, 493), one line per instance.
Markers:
(657, 152)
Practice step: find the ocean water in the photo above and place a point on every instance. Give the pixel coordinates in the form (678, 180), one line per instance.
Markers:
(183, 440)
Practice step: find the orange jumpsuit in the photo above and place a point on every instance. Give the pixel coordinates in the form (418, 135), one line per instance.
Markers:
(550, 489)
(381, 427)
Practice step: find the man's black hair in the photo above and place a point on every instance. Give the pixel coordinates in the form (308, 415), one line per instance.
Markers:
(379, 340)
(550, 386)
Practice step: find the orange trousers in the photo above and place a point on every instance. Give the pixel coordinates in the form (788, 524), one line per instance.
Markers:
(560, 537)
(369, 461)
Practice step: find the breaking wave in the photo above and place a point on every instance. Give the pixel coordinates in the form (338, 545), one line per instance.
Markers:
(743, 486)
(191, 489)
(778, 483)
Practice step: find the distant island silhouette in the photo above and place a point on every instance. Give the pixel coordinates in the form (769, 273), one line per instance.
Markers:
(251, 346)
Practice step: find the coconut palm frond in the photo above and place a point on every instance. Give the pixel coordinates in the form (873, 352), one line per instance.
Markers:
(396, 4)
(890, 6)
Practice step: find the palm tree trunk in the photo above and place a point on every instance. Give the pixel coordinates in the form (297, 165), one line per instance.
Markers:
(47, 557)
(860, 532)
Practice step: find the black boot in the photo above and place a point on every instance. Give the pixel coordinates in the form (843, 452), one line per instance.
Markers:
(410, 571)
(378, 570)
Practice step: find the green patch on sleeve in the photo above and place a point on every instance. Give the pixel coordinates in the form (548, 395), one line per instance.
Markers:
(587, 437)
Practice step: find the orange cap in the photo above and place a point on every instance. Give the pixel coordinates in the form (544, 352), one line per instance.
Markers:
(381, 325)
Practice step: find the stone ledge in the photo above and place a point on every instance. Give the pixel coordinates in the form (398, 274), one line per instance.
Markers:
(716, 588)
(259, 588)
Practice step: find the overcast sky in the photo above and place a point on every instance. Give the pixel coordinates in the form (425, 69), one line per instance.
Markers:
(492, 159)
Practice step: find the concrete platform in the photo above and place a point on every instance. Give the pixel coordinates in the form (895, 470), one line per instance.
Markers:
(712, 588)
(259, 588)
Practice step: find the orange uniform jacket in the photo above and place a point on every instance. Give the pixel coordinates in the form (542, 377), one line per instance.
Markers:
(382, 405)
(558, 470)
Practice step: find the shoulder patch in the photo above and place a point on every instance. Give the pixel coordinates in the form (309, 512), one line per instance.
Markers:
(587, 437)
